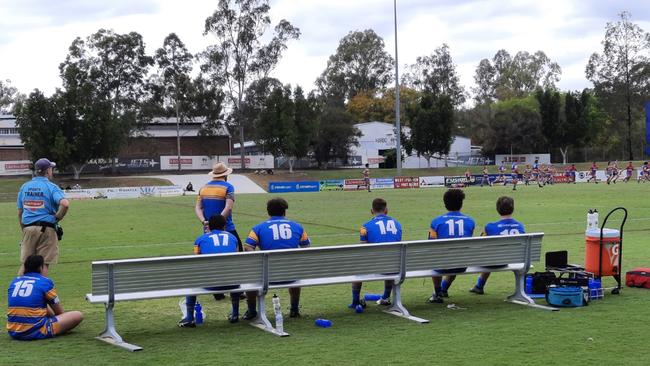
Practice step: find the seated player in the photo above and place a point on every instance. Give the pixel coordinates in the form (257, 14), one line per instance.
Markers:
(453, 224)
(276, 233)
(629, 169)
(34, 310)
(381, 229)
(217, 241)
(506, 226)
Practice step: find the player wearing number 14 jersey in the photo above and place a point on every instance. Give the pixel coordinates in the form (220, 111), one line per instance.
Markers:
(453, 224)
(506, 226)
(276, 233)
(380, 229)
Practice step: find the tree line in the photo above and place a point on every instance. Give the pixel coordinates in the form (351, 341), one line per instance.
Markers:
(111, 89)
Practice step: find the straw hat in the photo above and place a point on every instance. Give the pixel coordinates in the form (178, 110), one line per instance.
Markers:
(220, 170)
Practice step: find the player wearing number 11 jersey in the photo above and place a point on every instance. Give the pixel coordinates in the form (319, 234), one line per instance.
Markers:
(506, 226)
(276, 233)
(453, 224)
(380, 229)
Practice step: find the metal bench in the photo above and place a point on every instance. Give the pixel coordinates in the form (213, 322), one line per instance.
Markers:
(138, 279)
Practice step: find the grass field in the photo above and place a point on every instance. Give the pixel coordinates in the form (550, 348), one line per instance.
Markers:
(488, 332)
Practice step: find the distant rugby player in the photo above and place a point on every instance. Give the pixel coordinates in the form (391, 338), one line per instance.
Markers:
(527, 174)
(453, 224)
(366, 177)
(506, 226)
(645, 173)
(536, 171)
(380, 229)
(486, 176)
(502, 172)
(514, 175)
(629, 169)
(592, 173)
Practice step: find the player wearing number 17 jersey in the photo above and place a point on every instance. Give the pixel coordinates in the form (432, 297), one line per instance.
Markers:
(216, 241)
(453, 224)
(276, 233)
(506, 226)
(380, 229)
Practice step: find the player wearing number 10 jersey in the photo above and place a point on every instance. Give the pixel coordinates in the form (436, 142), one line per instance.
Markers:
(276, 233)
(453, 224)
(380, 229)
(506, 226)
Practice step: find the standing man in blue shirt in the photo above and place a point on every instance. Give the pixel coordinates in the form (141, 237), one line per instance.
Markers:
(276, 233)
(380, 229)
(506, 226)
(217, 198)
(41, 205)
(453, 224)
(216, 241)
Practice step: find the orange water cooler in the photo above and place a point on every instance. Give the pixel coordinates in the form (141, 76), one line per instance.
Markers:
(604, 249)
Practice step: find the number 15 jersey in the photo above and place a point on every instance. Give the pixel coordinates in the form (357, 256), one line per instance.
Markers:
(381, 229)
(452, 225)
(278, 233)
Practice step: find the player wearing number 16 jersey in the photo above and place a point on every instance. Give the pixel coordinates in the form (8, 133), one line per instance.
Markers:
(453, 224)
(380, 229)
(276, 233)
(506, 226)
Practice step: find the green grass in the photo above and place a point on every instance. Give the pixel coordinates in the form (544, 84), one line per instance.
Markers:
(488, 332)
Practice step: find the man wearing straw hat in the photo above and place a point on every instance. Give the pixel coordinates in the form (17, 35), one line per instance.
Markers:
(217, 198)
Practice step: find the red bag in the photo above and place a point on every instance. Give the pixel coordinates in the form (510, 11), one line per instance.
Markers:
(638, 277)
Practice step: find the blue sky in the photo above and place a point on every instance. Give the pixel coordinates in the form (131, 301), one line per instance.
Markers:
(35, 34)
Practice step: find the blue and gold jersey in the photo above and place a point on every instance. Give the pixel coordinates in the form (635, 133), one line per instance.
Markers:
(504, 227)
(39, 199)
(215, 242)
(381, 229)
(278, 233)
(452, 225)
(213, 198)
(27, 316)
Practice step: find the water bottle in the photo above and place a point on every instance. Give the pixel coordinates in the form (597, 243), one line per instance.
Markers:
(592, 220)
(595, 289)
(198, 314)
(529, 284)
(596, 219)
(372, 297)
(279, 322)
(323, 323)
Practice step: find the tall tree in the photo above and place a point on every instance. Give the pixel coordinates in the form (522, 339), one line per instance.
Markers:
(513, 77)
(360, 64)
(436, 74)
(367, 106)
(621, 73)
(240, 57)
(303, 120)
(173, 81)
(514, 126)
(549, 111)
(334, 134)
(108, 68)
(8, 97)
(432, 126)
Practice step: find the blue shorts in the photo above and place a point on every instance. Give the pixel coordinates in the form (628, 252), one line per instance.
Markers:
(50, 331)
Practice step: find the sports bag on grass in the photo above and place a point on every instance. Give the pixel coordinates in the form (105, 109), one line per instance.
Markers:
(638, 277)
(566, 297)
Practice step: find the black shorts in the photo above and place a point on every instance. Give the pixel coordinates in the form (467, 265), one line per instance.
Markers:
(451, 270)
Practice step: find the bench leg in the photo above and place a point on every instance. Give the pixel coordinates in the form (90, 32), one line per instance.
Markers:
(262, 321)
(520, 297)
(398, 309)
(110, 336)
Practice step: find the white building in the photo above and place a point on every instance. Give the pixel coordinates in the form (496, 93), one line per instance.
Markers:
(378, 137)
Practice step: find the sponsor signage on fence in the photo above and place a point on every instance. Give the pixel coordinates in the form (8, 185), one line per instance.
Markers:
(196, 162)
(16, 167)
(382, 183)
(121, 165)
(354, 184)
(562, 179)
(426, 182)
(407, 182)
(583, 176)
(462, 181)
(123, 192)
(377, 160)
(285, 187)
(332, 185)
